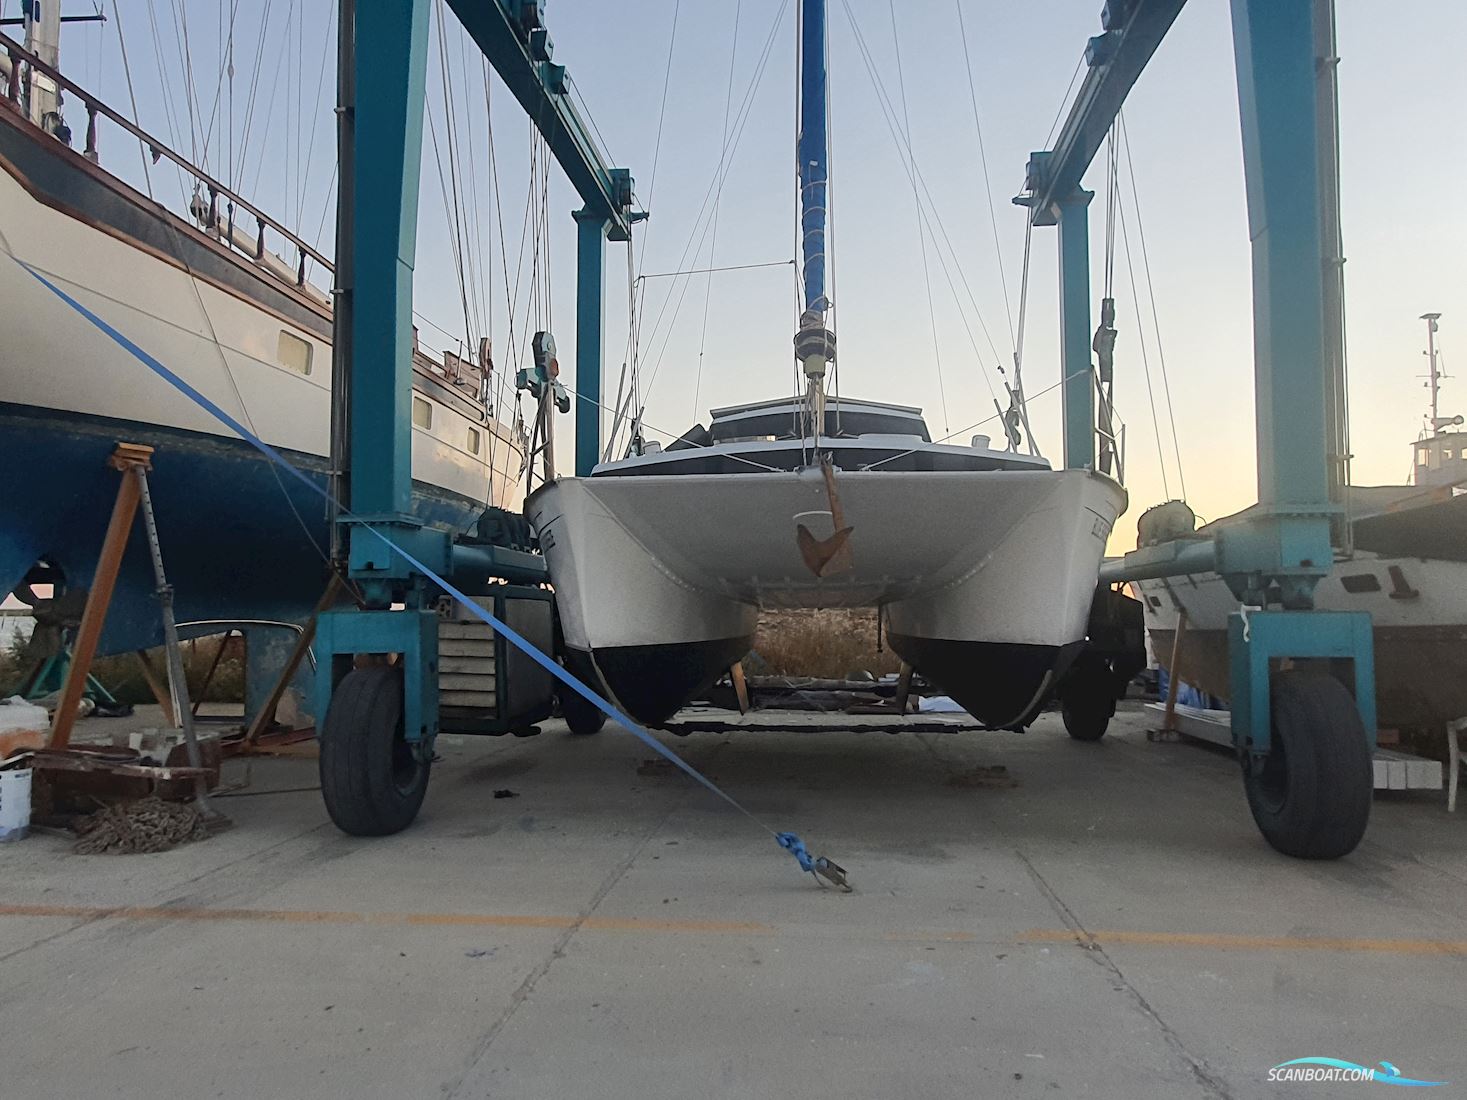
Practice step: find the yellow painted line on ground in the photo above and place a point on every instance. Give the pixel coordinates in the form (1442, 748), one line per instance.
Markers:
(329, 916)
(1198, 940)
(1229, 942)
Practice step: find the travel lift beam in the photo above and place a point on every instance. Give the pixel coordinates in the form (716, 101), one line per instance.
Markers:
(376, 786)
(1304, 739)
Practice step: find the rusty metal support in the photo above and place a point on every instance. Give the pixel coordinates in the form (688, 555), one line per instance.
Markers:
(266, 714)
(213, 668)
(126, 458)
(1174, 679)
(740, 686)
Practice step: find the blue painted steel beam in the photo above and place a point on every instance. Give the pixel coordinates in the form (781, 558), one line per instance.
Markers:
(510, 35)
(1132, 31)
(391, 67)
(591, 228)
(1078, 388)
(1288, 543)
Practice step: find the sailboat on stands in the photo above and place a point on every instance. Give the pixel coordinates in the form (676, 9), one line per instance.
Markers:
(1405, 562)
(204, 292)
(982, 561)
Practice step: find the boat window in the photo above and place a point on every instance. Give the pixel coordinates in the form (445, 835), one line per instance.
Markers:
(473, 441)
(1359, 583)
(294, 353)
(422, 413)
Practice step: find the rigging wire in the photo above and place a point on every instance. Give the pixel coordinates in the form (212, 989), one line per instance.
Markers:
(733, 56)
(1151, 292)
(987, 185)
(1145, 356)
(921, 221)
(720, 172)
(637, 289)
(930, 211)
(1019, 399)
(213, 335)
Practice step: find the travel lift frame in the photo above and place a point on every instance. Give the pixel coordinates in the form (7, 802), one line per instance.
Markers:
(1303, 680)
(385, 718)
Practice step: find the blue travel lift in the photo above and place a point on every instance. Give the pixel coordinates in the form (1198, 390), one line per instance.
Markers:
(1303, 681)
(380, 719)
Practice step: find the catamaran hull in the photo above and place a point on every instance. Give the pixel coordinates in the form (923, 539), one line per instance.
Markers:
(1418, 607)
(986, 577)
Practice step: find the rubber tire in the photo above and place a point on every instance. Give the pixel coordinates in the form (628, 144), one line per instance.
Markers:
(581, 715)
(1311, 800)
(371, 779)
(1086, 703)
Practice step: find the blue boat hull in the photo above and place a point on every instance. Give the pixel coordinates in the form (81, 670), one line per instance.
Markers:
(240, 539)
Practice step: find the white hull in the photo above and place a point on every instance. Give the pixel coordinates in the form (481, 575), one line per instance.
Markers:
(994, 560)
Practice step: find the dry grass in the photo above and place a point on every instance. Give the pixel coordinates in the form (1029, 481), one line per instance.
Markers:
(120, 674)
(832, 643)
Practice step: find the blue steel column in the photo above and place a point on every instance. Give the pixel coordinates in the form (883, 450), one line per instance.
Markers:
(391, 68)
(590, 275)
(1078, 389)
(1275, 55)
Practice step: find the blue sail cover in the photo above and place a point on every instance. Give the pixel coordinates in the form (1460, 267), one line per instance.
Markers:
(811, 150)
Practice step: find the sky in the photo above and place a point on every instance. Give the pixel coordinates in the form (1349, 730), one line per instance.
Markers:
(898, 276)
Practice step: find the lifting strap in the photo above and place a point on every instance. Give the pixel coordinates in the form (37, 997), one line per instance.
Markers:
(817, 866)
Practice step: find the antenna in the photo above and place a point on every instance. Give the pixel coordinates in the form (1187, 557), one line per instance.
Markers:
(1434, 373)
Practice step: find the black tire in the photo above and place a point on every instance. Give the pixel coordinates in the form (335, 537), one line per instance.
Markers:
(1311, 795)
(371, 777)
(1087, 701)
(581, 715)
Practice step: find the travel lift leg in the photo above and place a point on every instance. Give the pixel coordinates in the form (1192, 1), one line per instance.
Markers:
(1303, 681)
(1304, 741)
(380, 719)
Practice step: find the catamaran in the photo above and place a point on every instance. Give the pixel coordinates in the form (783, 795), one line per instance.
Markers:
(982, 561)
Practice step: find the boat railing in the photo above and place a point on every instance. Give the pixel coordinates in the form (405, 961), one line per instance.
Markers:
(216, 206)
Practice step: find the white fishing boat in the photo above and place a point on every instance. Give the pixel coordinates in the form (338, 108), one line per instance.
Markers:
(982, 561)
(1406, 564)
(205, 292)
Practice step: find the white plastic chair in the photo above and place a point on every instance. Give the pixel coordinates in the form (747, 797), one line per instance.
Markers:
(1455, 730)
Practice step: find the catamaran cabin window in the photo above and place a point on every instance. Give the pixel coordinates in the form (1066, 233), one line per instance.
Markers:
(473, 441)
(294, 353)
(422, 413)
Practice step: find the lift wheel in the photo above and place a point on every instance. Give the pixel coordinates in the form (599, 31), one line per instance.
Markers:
(372, 778)
(1311, 794)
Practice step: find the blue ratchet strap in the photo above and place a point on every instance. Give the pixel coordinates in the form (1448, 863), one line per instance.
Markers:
(788, 841)
(818, 866)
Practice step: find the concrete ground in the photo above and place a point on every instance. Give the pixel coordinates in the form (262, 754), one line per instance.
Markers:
(1104, 922)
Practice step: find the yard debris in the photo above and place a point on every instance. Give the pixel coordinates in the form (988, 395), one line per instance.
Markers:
(993, 776)
(145, 825)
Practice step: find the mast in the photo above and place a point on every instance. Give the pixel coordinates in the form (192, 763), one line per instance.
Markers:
(1434, 374)
(43, 38)
(814, 342)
